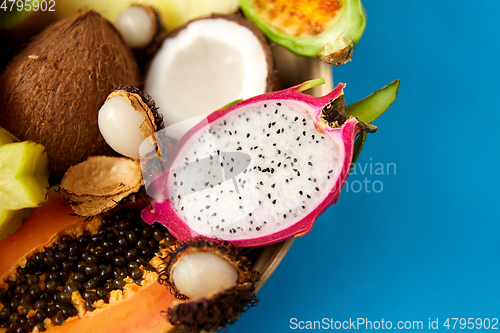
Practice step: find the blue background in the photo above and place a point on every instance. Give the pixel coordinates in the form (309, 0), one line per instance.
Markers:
(427, 245)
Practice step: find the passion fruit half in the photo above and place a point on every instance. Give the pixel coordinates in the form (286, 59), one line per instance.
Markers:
(326, 29)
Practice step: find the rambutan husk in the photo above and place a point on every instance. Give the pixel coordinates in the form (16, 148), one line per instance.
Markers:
(151, 127)
(212, 313)
(216, 310)
(141, 101)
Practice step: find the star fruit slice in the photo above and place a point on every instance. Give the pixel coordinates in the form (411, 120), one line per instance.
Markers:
(23, 180)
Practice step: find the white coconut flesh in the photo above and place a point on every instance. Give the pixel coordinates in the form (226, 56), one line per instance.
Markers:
(256, 172)
(198, 274)
(205, 66)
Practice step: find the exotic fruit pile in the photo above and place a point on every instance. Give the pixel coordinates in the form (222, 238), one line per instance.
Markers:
(125, 214)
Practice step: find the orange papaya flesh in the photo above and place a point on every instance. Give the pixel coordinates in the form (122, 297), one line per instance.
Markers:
(44, 226)
(140, 313)
(136, 307)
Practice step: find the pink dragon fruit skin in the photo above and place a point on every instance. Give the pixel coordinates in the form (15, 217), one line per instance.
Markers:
(303, 199)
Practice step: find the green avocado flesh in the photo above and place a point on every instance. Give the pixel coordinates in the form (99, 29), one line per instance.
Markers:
(332, 40)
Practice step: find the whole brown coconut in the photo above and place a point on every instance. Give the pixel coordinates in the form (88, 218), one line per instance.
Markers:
(52, 91)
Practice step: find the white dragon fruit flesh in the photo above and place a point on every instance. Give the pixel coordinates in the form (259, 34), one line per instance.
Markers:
(259, 171)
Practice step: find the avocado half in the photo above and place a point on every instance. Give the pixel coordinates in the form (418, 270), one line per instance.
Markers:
(329, 30)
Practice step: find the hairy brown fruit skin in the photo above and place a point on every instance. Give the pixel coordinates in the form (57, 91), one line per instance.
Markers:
(52, 91)
(216, 310)
(210, 314)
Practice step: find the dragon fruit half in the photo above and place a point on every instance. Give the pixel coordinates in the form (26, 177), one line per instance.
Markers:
(259, 171)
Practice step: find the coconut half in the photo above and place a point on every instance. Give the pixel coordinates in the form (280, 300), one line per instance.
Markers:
(206, 64)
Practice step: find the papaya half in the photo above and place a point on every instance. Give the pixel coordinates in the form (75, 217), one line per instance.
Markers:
(63, 273)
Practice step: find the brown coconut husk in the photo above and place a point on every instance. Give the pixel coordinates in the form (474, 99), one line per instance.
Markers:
(52, 91)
